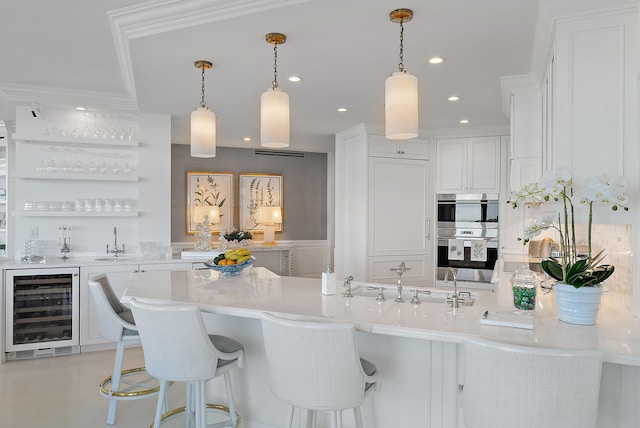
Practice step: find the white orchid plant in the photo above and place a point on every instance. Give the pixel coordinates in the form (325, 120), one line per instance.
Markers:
(558, 185)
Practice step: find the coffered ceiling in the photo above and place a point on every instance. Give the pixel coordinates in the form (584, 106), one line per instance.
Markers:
(129, 55)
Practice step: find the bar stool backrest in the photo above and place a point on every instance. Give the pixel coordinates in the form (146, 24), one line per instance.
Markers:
(313, 365)
(111, 313)
(529, 387)
(175, 341)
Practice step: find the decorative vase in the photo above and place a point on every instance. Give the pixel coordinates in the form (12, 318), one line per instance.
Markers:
(577, 305)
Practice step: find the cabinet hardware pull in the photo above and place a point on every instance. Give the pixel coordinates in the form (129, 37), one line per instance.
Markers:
(428, 236)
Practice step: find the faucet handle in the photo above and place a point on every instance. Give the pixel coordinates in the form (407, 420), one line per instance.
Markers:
(415, 300)
(380, 297)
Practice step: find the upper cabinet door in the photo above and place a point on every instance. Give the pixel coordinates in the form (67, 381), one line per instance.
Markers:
(416, 148)
(468, 165)
(483, 155)
(452, 161)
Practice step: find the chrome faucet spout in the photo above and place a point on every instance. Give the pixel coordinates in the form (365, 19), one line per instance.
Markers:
(115, 250)
(455, 299)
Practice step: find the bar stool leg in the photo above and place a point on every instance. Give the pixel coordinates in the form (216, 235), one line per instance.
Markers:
(115, 383)
(232, 407)
(311, 418)
(334, 418)
(358, 416)
(162, 395)
(191, 406)
(290, 416)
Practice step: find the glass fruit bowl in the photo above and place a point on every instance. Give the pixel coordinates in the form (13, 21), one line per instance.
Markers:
(229, 270)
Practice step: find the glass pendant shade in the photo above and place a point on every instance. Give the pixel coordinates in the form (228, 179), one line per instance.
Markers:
(203, 133)
(401, 106)
(274, 118)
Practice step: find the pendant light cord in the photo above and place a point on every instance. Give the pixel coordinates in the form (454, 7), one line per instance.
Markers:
(274, 84)
(203, 104)
(401, 64)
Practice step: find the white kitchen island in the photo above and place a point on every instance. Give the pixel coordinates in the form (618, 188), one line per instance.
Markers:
(416, 347)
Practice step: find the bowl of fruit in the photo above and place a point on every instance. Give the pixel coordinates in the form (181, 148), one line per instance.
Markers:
(232, 262)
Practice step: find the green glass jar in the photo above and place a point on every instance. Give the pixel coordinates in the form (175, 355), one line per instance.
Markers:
(524, 283)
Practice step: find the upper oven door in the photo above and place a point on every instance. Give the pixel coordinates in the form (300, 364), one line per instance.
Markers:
(467, 208)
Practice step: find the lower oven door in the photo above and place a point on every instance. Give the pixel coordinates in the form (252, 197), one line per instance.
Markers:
(473, 261)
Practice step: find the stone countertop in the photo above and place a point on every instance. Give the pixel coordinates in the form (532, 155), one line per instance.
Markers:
(56, 262)
(258, 290)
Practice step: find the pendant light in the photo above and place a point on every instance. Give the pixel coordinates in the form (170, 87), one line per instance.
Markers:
(203, 123)
(401, 92)
(274, 105)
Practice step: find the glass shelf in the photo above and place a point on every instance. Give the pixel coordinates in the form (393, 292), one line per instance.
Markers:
(79, 177)
(34, 213)
(81, 141)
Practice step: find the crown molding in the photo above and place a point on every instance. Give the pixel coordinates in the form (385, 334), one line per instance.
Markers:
(161, 16)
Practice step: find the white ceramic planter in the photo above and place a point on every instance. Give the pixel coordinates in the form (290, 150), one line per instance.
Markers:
(577, 305)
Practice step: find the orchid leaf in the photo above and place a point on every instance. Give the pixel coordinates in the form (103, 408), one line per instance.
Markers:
(552, 268)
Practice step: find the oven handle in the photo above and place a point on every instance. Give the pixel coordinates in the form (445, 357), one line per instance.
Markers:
(491, 243)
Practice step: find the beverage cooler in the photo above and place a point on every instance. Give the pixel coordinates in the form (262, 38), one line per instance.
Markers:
(42, 312)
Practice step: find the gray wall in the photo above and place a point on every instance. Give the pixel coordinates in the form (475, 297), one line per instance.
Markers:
(304, 187)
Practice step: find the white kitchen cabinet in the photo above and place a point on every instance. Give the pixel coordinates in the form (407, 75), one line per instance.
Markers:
(416, 148)
(468, 165)
(398, 218)
(119, 274)
(385, 201)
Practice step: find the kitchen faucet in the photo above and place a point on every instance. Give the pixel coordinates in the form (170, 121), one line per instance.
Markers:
(400, 270)
(115, 250)
(347, 286)
(454, 300)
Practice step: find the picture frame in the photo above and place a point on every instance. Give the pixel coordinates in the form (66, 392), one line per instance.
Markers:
(258, 190)
(210, 188)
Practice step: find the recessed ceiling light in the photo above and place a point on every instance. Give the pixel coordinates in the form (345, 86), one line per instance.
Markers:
(341, 109)
(247, 139)
(453, 98)
(464, 121)
(294, 79)
(80, 108)
(436, 60)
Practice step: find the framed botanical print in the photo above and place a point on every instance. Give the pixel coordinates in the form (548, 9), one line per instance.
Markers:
(210, 188)
(258, 190)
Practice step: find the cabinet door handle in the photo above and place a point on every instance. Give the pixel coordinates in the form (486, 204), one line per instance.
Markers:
(428, 235)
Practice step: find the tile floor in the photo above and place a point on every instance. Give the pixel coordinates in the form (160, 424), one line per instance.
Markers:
(62, 391)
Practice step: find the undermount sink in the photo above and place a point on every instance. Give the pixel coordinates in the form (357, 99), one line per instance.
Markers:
(390, 293)
(112, 259)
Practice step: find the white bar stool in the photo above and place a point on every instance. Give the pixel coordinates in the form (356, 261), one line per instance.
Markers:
(509, 386)
(315, 366)
(116, 323)
(177, 348)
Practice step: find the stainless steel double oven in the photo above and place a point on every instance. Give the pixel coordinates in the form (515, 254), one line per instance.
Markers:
(467, 235)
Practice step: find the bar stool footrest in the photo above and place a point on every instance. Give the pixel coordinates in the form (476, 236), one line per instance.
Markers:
(219, 408)
(134, 383)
